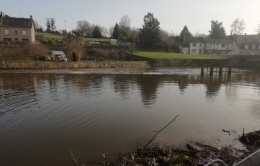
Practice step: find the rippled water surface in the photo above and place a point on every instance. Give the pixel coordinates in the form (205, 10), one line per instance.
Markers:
(45, 114)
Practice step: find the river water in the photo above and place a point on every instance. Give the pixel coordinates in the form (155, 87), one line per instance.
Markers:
(47, 114)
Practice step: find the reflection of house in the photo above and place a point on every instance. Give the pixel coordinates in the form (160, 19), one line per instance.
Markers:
(16, 29)
(199, 45)
(58, 56)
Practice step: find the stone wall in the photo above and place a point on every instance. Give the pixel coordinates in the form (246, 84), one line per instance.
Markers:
(188, 62)
(114, 64)
(73, 65)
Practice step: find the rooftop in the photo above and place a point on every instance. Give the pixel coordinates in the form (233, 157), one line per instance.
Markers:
(16, 22)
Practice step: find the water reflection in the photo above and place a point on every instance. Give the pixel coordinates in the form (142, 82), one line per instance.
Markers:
(24, 87)
(148, 87)
(17, 92)
(255, 110)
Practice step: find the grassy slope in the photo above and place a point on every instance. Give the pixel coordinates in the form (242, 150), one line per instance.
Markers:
(49, 35)
(54, 36)
(163, 55)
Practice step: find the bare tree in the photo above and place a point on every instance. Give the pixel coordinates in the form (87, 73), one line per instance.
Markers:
(50, 24)
(83, 27)
(104, 31)
(124, 25)
(36, 50)
(238, 26)
(125, 21)
(53, 24)
(75, 46)
(134, 35)
(7, 51)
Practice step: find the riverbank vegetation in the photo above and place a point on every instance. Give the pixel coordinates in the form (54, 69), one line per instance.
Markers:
(193, 154)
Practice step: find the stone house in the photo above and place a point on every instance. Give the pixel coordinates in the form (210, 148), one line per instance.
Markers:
(19, 30)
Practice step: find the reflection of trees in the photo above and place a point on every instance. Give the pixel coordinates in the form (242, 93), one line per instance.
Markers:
(121, 83)
(67, 84)
(183, 82)
(148, 86)
(18, 91)
(84, 81)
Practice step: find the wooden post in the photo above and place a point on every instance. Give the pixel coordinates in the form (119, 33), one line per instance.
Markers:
(229, 71)
(211, 70)
(202, 70)
(220, 70)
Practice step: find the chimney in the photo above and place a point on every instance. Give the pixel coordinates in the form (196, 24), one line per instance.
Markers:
(31, 17)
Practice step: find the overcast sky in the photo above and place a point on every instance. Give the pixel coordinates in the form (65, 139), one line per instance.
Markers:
(173, 15)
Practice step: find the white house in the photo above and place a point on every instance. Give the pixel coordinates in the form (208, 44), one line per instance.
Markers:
(248, 44)
(220, 46)
(197, 45)
(213, 46)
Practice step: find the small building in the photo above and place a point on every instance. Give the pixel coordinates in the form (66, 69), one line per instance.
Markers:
(58, 56)
(19, 30)
(113, 41)
(184, 50)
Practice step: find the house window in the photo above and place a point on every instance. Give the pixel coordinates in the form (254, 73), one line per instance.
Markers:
(223, 45)
(24, 32)
(7, 39)
(253, 47)
(25, 40)
(246, 47)
(193, 50)
(15, 32)
(6, 32)
(194, 44)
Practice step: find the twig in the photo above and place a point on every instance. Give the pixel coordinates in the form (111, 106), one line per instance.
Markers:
(74, 158)
(151, 140)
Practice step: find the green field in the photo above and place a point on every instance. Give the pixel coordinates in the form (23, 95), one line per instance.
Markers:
(49, 35)
(96, 39)
(164, 55)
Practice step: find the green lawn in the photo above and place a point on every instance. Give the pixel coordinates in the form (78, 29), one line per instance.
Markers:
(49, 35)
(96, 39)
(164, 55)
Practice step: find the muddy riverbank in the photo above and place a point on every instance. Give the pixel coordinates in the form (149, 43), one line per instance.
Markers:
(194, 154)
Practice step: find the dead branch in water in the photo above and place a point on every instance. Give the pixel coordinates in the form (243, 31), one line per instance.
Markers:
(76, 160)
(151, 140)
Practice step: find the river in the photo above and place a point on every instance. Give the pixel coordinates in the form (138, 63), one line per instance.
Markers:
(47, 114)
